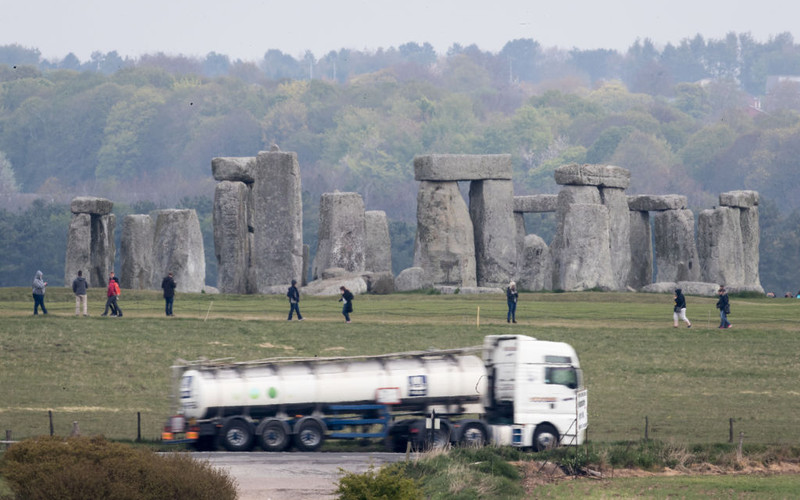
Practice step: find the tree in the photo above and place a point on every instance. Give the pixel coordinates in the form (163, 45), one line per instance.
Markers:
(523, 56)
(8, 183)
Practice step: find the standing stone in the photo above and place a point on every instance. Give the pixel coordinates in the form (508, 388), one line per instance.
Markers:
(136, 252)
(619, 227)
(342, 233)
(79, 249)
(277, 252)
(748, 220)
(536, 268)
(641, 250)
(582, 259)
(676, 251)
(378, 254)
(491, 208)
(178, 247)
(412, 278)
(444, 245)
(103, 250)
(232, 237)
(520, 232)
(719, 246)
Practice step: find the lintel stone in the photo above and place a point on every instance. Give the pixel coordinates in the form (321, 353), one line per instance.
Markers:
(234, 169)
(91, 205)
(739, 199)
(593, 175)
(656, 203)
(537, 203)
(462, 167)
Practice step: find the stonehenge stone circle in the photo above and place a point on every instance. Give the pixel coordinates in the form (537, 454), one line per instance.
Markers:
(178, 248)
(136, 252)
(342, 233)
(444, 246)
(378, 251)
(90, 241)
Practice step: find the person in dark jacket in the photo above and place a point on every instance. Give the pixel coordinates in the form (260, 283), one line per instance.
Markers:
(294, 301)
(168, 285)
(39, 284)
(679, 310)
(347, 306)
(79, 287)
(511, 297)
(112, 293)
(724, 306)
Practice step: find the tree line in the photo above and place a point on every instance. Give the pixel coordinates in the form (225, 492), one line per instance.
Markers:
(683, 119)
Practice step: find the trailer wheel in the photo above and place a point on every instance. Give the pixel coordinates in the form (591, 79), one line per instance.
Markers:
(545, 437)
(273, 435)
(237, 435)
(474, 434)
(309, 436)
(205, 443)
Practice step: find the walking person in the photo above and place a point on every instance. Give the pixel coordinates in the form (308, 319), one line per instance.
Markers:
(294, 301)
(38, 293)
(79, 287)
(724, 306)
(112, 292)
(511, 297)
(679, 311)
(168, 285)
(347, 306)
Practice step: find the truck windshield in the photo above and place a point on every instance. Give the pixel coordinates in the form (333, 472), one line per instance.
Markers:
(566, 375)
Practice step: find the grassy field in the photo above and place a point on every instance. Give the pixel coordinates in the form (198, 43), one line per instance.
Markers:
(687, 383)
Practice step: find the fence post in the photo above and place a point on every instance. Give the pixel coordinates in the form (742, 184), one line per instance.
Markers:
(739, 449)
(138, 426)
(730, 432)
(646, 428)
(50, 416)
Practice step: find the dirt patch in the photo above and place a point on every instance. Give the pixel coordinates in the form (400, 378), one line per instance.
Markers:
(267, 345)
(541, 473)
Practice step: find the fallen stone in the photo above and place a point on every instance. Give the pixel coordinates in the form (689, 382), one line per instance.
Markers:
(412, 278)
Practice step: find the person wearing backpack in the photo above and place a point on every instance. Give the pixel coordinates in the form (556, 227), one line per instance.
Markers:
(347, 299)
(724, 306)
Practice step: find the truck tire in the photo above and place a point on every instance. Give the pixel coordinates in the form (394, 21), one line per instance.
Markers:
(309, 435)
(474, 434)
(273, 435)
(545, 437)
(237, 435)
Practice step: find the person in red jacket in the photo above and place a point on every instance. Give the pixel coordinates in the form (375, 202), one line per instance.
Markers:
(111, 301)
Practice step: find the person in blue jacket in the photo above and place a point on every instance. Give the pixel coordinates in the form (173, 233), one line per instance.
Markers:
(724, 306)
(347, 306)
(511, 297)
(294, 301)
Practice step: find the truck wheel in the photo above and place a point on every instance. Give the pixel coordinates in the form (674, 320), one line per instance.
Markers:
(237, 435)
(273, 435)
(545, 437)
(309, 436)
(205, 443)
(474, 434)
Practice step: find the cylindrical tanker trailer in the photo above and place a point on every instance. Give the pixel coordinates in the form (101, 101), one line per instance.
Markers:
(523, 392)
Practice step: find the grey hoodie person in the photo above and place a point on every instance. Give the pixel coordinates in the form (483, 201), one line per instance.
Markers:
(79, 286)
(38, 284)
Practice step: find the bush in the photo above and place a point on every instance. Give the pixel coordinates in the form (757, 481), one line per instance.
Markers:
(385, 484)
(82, 467)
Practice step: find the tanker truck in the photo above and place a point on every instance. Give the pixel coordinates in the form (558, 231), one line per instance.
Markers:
(521, 392)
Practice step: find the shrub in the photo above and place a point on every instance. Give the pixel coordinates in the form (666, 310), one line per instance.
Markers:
(385, 484)
(83, 467)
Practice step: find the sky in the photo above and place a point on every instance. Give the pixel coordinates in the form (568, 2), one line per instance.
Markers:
(246, 29)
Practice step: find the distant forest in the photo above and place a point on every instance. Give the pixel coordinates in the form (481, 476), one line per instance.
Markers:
(697, 118)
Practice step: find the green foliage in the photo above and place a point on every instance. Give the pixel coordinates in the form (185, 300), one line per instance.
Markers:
(80, 467)
(385, 484)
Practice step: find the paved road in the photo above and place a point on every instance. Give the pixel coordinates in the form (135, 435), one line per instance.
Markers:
(292, 475)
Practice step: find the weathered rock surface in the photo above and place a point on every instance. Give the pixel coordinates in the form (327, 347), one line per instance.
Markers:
(136, 251)
(379, 283)
(657, 203)
(676, 251)
(491, 205)
(581, 255)
(237, 169)
(619, 233)
(412, 278)
(443, 167)
(378, 251)
(739, 199)
(178, 247)
(330, 287)
(688, 287)
(593, 175)
(79, 249)
(90, 205)
(719, 246)
(536, 269)
(467, 290)
(537, 203)
(342, 233)
(444, 245)
(277, 219)
(748, 220)
(641, 270)
(232, 237)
